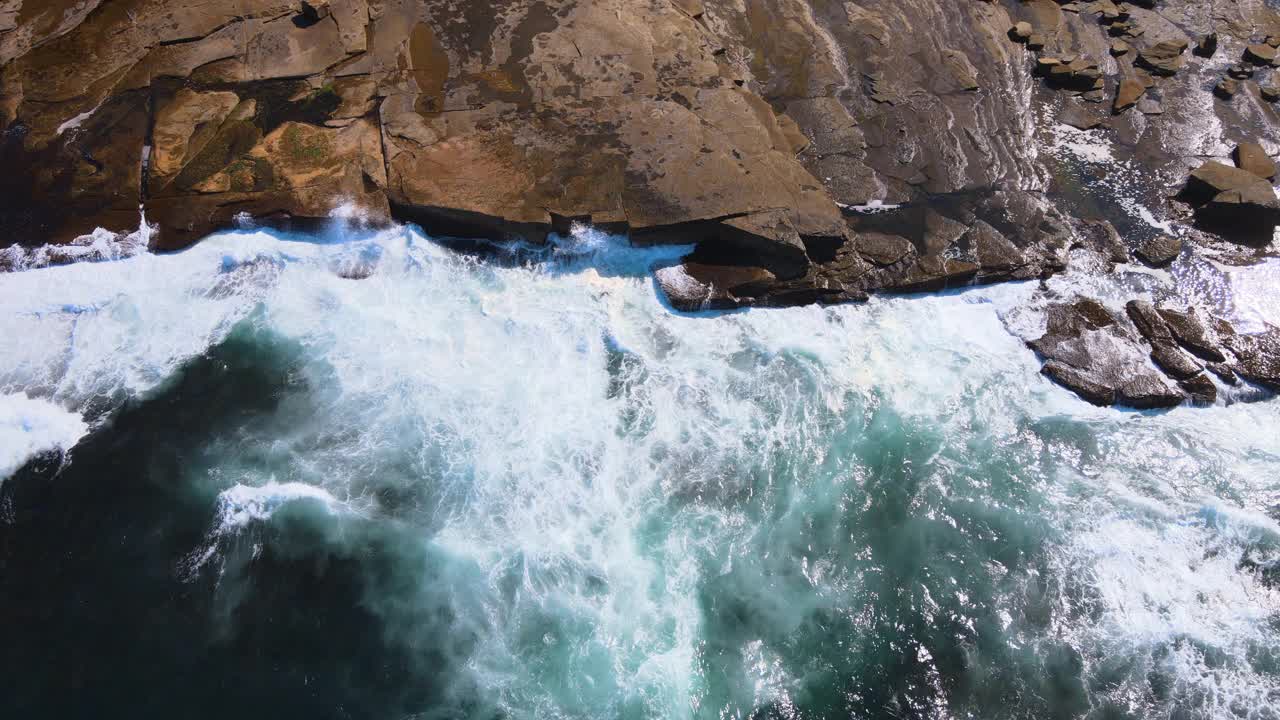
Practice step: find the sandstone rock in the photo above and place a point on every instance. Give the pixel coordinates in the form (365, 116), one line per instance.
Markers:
(184, 125)
(1128, 94)
(1250, 156)
(1260, 54)
(741, 127)
(1233, 200)
(1164, 58)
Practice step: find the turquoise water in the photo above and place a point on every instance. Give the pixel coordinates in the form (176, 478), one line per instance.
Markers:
(369, 476)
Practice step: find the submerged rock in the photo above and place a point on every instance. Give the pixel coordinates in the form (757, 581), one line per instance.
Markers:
(1160, 250)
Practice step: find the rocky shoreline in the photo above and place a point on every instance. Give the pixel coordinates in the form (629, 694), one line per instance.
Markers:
(810, 151)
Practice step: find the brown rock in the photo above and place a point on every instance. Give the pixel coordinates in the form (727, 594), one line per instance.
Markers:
(1164, 58)
(1128, 94)
(1250, 156)
(1260, 54)
(1233, 201)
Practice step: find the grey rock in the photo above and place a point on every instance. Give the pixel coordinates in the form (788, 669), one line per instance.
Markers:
(1092, 353)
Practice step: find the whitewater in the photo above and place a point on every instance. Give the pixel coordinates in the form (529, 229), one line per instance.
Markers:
(372, 471)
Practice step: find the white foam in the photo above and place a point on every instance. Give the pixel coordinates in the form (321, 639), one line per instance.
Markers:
(1090, 146)
(30, 426)
(1145, 214)
(553, 406)
(99, 246)
(1255, 295)
(872, 207)
(240, 505)
(76, 121)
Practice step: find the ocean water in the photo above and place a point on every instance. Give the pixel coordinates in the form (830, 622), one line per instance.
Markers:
(367, 475)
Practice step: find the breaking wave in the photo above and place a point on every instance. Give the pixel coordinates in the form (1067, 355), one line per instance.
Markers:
(369, 475)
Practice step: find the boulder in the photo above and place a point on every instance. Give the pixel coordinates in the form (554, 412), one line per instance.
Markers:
(1260, 54)
(1240, 72)
(1164, 58)
(1226, 88)
(1078, 74)
(692, 286)
(1257, 355)
(1201, 389)
(1232, 200)
(1252, 157)
(1165, 352)
(1207, 46)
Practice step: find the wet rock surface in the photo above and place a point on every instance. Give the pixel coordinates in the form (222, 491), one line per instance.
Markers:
(1092, 352)
(1149, 357)
(809, 151)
